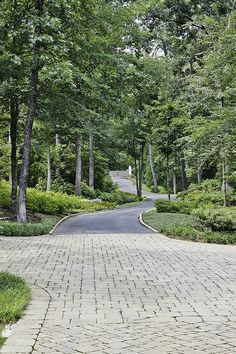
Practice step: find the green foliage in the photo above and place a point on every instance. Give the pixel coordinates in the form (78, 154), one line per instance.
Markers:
(5, 194)
(232, 181)
(14, 297)
(87, 191)
(216, 219)
(108, 185)
(8, 228)
(53, 203)
(179, 206)
(119, 197)
(183, 226)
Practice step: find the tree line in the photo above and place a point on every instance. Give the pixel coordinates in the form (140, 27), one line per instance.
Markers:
(88, 86)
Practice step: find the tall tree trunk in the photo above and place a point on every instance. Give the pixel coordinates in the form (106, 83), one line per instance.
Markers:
(91, 161)
(140, 172)
(168, 175)
(183, 172)
(49, 172)
(225, 185)
(21, 207)
(199, 173)
(154, 176)
(14, 113)
(58, 170)
(174, 183)
(78, 172)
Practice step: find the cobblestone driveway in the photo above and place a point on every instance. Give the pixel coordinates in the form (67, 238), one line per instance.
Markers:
(123, 294)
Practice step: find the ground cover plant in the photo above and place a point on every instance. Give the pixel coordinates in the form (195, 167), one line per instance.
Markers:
(14, 297)
(198, 216)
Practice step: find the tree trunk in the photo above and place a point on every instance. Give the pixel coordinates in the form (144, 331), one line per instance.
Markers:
(183, 172)
(168, 175)
(21, 207)
(140, 172)
(199, 173)
(174, 183)
(49, 173)
(58, 171)
(14, 113)
(225, 185)
(154, 176)
(91, 161)
(136, 176)
(78, 172)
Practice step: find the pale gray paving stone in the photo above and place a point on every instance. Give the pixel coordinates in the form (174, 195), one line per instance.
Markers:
(113, 292)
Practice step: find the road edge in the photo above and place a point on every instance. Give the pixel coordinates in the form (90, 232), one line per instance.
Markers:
(144, 224)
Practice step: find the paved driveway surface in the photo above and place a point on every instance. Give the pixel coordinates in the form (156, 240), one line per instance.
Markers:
(116, 221)
(123, 294)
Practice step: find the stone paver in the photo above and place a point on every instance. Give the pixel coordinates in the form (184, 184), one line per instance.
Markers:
(123, 294)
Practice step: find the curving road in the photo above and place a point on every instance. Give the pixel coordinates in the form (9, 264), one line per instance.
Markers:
(115, 221)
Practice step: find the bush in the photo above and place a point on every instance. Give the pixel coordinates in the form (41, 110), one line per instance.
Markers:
(53, 203)
(108, 185)
(87, 191)
(179, 206)
(119, 197)
(232, 181)
(216, 219)
(8, 228)
(5, 194)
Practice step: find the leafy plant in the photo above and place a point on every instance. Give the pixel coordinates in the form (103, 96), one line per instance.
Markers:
(216, 219)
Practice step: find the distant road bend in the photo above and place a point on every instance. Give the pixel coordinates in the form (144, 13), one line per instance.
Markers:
(114, 221)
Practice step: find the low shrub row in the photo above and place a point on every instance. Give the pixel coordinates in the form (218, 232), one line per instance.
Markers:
(118, 197)
(177, 206)
(216, 219)
(10, 228)
(53, 203)
(183, 226)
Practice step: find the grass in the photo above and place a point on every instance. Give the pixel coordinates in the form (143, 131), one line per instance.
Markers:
(128, 205)
(182, 226)
(14, 297)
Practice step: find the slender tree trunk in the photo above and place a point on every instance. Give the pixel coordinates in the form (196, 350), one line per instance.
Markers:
(140, 176)
(14, 114)
(78, 172)
(154, 176)
(199, 173)
(91, 161)
(225, 185)
(183, 172)
(21, 207)
(168, 175)
(136, 176)
(58, 171)
(174, 183)
(49, 172)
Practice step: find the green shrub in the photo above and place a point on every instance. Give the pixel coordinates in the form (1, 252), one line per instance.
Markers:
(216, 219)
(118, 197)
(5, 194)
(87, 191)
(179, 206)
(8, 228)
(232, 181)
(108, 185)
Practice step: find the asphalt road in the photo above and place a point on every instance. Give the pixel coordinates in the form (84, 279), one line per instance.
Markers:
(115, 221)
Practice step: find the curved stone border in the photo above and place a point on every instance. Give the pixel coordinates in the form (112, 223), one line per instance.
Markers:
(26, 331)
(144, 224)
